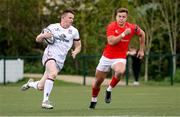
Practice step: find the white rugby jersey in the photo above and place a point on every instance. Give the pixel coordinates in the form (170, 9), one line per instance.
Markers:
(63, 42)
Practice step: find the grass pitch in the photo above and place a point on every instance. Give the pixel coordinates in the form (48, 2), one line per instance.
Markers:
(73, 100)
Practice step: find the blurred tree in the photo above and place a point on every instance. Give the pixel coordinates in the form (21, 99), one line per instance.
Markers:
(22, 20)
(21, 23)
(170, 14)
(146, 15)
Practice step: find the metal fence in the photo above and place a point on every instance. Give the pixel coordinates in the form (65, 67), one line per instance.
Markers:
(160, 66)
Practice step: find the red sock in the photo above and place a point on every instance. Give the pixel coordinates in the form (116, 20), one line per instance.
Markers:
(95, 92)
(114, 81)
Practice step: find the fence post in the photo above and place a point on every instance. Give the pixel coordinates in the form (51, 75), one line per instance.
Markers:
(4, 82)
(171, 69)
(84, 69)
(127, 70)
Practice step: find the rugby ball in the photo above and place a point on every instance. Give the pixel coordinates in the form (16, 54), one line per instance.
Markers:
(50, 40)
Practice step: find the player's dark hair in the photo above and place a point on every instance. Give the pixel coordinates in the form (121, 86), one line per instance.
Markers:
(121, 10)
(67, 11)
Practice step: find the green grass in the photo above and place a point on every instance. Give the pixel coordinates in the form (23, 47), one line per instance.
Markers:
(73, 100)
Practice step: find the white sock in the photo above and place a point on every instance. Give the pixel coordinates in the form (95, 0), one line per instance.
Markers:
(47, 89)
(34, 84)
(94, 99)
(109, 88)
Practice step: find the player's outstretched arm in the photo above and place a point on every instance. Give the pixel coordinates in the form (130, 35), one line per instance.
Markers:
(140, 53)
(77, 49)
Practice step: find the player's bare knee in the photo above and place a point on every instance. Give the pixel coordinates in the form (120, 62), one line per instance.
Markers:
(40, 87)
(119, 72)
(53, 75)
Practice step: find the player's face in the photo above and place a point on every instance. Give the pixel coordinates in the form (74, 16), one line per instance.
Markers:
(121, 18)
(68, 19)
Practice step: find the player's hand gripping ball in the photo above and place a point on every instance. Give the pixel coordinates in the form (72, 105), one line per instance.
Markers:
(49, 40)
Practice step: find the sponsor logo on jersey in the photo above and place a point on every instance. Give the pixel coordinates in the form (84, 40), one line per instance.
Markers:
(124, 40)
(57, 29)
(62, 38)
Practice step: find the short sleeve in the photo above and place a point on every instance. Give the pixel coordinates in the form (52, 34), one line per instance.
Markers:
(76, 35)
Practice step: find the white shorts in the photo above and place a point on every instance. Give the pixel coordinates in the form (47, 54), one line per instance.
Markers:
(105, 64)
(45, 58)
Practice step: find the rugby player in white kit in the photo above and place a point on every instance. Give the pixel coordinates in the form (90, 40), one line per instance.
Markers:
(64, 36)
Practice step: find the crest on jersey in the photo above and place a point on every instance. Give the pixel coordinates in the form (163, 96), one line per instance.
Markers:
(70, 31)
(116, 31)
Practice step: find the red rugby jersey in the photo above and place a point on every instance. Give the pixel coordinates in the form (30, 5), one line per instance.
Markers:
(120, 49)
